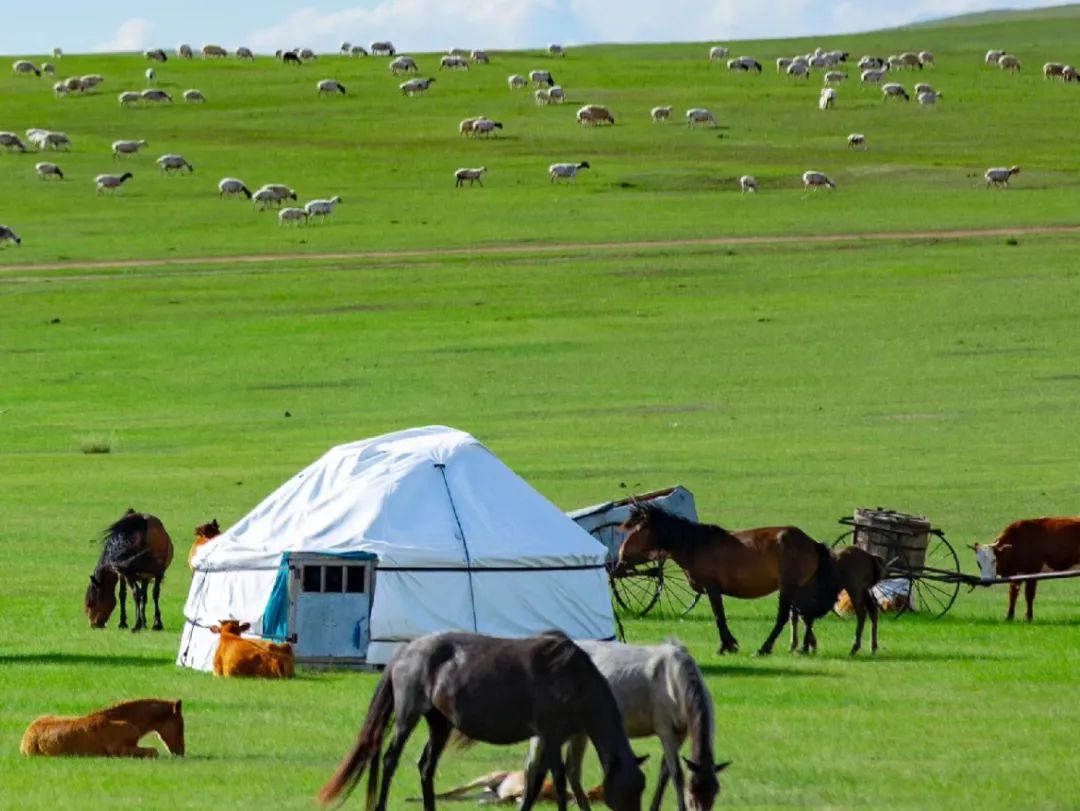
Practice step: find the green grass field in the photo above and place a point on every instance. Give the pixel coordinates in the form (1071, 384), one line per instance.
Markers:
(780, 382)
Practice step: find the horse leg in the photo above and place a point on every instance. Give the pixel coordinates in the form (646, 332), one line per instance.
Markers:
(575, 754)
(402, 729)
(859, 602)
(728, 643)
(1014, 592)
(439, 729)
(157, 607)
(1029, 596)
(123, 603)
(558, 778)
(794, 630)
(138, 590)
(670, 766)
(661, 785)
(872, 610)
(535, 770)
(783, 610)
(809, 643)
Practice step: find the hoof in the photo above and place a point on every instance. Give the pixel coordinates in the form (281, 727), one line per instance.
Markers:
(158, 626)
(764, 652)
(732, 648)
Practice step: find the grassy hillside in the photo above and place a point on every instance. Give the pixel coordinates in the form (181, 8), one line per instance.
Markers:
(780, 382)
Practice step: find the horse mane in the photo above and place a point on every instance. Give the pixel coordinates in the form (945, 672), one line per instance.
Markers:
(561, 648)
(673, 533)
(124, 541)
(697, 702)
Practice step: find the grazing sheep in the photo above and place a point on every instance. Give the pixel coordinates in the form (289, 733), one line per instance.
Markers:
(48, 140)
(993, 56)
(717, 53)
(90, 81)
(60, 88)
(321, 209)
(835, 77)
(452, 62)
(699, 115)
(926, 59)
(783, 63)
(174, 163)
(48, 170)
(414, 86)
(871, 63)
(156, 95)
(194, 96)
(9, 141)
(382, 49)
(49, 68)
(744, 64)
(748, 183)
(660, 114)
(345, 48)
(127, 147)
(129, 97)
(156, 55)
(111, 182)
(556, 95)
(910, 60)
(458, 52)
(516, 81)
(928, 98)
(799, 69)
(358, 50)
(1009, 62)
(403, 64)
(330, 86)
(1069, 74)
(893, 90)
(556, 50)
(566, 171)
(8, 235)
(74, 84)
(485, 126)
(58, 53)
(815, 180)
(184, 51)
(480, 57)
(290, 57)
(307, 53)
(872, 76)
(895, 63)
(471, 175)
(151, 75)
(542, 96)
(245, 53)
(293, 215)
(923, 87)
(998, 177)
(1053, 70)
(214, 52)
(856, 141)
(595, 114)
(231, 186)
(827, 99)
(466, 125)
(539, 77)
(272, 194)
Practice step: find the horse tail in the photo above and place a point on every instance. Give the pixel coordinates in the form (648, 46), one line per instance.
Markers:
(367, 747)
(818, 596)
(880, 570)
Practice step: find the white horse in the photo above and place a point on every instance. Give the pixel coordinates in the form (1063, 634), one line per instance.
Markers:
(660, 691)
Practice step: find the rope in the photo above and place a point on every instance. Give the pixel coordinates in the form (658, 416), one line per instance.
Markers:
(464, 544)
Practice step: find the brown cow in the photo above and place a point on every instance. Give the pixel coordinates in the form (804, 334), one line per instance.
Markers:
(1030, 546)
(237, 656)
(203, 534)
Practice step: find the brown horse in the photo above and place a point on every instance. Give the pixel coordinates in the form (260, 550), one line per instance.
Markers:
(747, 564)
(136, 550)
(113, 732)
(204, 533)
(498, 691)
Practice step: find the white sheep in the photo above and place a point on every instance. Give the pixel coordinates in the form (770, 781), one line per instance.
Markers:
(660, 114)
(871, 63)
(129, 97)
(566, 171)
(90, 81)
(174, 163)
(58, 53)
(480, 57)
(184, 51)
(8, 235)
(856, 141)
(451, 62)
(120, 148)
(345, 48)
(928, 98)
(556, 50)
(272, 194)
(214, 52)
(471, 175)
(231, 186)
(48, 170)
(893, 90)
(74, 84)
(993, 56)
(156, 95)
(382, 49)
(872, 76)
(827, 99)
(50, 140)
(815, 180)
(330, 86)
(748, 183)
(307, 53)
(485, 126)
(466, 125)
(292, 215)
(923, 87)
(156, 55)
(1069, 74)
(245, 53)
(516, 81)
(799, 69)
(9, 141)
(403, 64)
(320, 209)
(414, 86)
(48, 68)
(556, 95)
(895, 63)
(998, 177)
(542, 97)
(595, 114)
(358, 50)
(835, 77)
(111, 182)
(910, 60)
(1053, 69)
(194, 96)
(151, 75)
(1009, 62)
(926, 59)
(539, 77)
(783, 63)
(717, 53)
(60, 88)
(699, 115)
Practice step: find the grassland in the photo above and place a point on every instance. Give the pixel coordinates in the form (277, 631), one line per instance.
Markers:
(780, 382)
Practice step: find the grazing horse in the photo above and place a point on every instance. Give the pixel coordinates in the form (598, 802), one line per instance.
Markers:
(746, 563)
(204, 533)
(113, 732)
(660, 691)
(498, 691)
(137, 549)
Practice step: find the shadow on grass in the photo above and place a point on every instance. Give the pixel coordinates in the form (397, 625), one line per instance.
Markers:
(737, 671)
(1001, 622)
(81, 659)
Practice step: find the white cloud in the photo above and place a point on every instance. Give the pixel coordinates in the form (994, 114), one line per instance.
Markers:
(132, 35)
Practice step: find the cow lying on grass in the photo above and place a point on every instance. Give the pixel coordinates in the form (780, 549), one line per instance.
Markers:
(237, 656)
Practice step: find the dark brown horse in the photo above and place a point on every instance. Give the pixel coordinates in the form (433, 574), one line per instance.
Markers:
(747, 563)
(136, 550)
(499, 691)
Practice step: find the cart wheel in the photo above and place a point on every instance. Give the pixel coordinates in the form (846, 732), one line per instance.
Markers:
(637, 588)
(934, 598)
(841, 539)
(676, 597)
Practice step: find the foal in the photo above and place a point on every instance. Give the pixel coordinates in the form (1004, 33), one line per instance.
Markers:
(113, 732)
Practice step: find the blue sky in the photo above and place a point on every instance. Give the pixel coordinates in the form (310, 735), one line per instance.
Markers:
(432, 25)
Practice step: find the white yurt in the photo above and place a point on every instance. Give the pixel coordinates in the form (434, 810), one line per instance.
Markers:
(386, 539)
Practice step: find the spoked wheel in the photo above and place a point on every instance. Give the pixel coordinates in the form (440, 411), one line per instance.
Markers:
(934, 597)
(637, 588)
(677, 597)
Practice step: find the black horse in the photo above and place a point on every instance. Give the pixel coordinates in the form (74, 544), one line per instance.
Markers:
(498, 691)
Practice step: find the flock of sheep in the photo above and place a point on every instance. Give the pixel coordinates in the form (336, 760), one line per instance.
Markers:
(872, 70)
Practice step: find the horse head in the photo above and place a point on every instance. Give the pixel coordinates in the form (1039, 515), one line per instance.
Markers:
(100, 599)
(702, 787)
(624, 783)
(171, 728)
(640, 542)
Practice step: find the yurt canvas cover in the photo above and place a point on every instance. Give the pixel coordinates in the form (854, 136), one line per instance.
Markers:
(456, 541)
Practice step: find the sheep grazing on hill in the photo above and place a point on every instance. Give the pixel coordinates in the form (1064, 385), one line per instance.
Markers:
(184, 51)
(556, 95)
(485, 126)
(358, 50)
(74, 84)
(10, 141)
(43, 139)
(48, 68)
(194, 96)
(480, 57)
(827, 99)
(926, 59)
(330, 86)
(174, 163)
(923, 87)
(292, 215)
(893, 90)
(120, 148)
(799, 70)
(835, 77)
(872, 76)
(214, 52)
(90, 81)
(48, 170)
(856, 141)
(156, 55)
(871, 63)
(993, 56)
(307, 53)
(8, 235)
(744, 64)
(910, 61)
(151, 75)
(516, 81)
(542, 96)
(58, 53)
(156, 95)
(1009, 62)
(60, 88)
(556, 50)
(451, 62)
(541, 77)
(289, 57)
(660, 114)
(566, 171)
(415, 86)
(245, 53)
(998, 177)
(382, 49)
(747, 183)
(231, 186)
(816, 180)
(718, 53)
(272, 194)
(403, 64)
(595, 115)
(319, 210)
(25, 68)
(471, 175)
(699, 115)
(928, 98)
(129, 97)
(111, 182)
